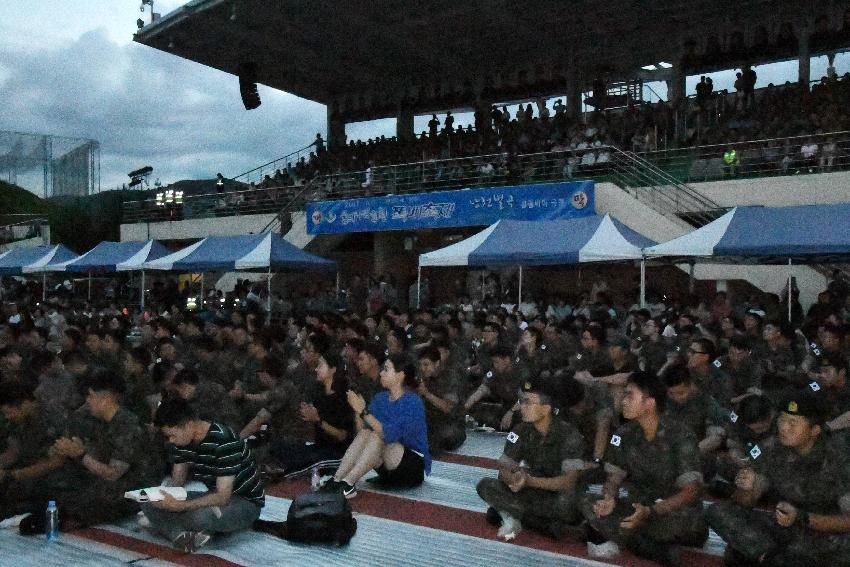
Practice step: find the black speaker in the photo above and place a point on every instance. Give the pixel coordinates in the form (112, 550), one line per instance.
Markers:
(248, 86)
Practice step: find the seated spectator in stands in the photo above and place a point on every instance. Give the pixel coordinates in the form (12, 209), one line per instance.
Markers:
(212, 453)
(829, 152)
(439, 389)
(658, 462)
(392, 434)
(808, 155)
(538, 470)
(332, 420)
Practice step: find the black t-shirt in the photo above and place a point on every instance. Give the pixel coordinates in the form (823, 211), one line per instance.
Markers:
(334, 410)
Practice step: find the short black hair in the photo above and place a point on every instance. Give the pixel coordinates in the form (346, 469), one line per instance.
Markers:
(502, 351)
(141, 355)
(677, 376)
(740, 342)
(173, 412)
(13, 394)
(104, 380)
(376, 351)
(754, 409)
(835, 360)
(333, 360)
(651, 386)
(432, 353)
(186, 376)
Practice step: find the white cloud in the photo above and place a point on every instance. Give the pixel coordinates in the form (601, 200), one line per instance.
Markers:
(148, 108)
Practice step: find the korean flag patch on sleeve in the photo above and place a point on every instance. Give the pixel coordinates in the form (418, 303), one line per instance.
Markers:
(489, 374)
(755, 452)
(513, 437)
(733, 417)
(615, 440)
(718, 364)
(815, 387)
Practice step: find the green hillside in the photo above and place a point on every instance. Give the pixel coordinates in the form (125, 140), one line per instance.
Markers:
(16, 200)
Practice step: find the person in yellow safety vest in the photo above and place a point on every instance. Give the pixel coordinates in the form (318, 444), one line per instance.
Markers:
(731, 162)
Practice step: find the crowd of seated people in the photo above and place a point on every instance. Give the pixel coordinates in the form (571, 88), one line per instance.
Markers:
(670, 401)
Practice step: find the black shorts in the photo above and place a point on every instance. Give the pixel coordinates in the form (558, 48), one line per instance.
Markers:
(410, 471)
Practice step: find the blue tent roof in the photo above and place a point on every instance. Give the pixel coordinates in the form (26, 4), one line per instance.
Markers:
(252, 251)
(15, 262)
(109, 257)
(540, 243)
(807, 233)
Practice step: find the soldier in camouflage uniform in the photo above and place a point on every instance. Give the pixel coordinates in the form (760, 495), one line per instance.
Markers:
(707, 373)
(501, 384)
(741, 367)
(538, 471)
(808, 473)
(439, 391)
(658, 462)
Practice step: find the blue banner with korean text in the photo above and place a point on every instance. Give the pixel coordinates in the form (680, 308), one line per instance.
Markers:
(443, 209)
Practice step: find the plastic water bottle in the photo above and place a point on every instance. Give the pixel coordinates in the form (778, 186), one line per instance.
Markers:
(51, 521)
(314, 479)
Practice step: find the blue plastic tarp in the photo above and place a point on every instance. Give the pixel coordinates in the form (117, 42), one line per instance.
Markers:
(109, 257)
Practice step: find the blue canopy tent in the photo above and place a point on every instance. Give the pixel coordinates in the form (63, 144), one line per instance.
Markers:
(541, 243)
(217, 253)
(109, 257)
(20, 260)
(802, 234)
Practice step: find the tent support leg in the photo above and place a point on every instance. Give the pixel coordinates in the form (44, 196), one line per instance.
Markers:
(269, 298)
(142, 303)
(691, 283)
(642, 283)
(201, 304)
(89, 287)
(789, 290)
(418, 287)
(519, 295)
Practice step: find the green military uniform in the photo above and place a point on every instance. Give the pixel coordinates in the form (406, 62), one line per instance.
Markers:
(504, 386)
(653, 355)
(698, 413)
(653, 470)
(597, 362)
(715, 383)
(211, 402)
(745, 376)
(284, 403)
(446, 431)
(817, 483)
(559, 451)
(779, 371)
(595, 410)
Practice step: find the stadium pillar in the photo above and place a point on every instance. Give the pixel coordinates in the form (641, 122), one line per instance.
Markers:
(573, 97)
(676, 90)
(404, 126)
(336, 130)
(804, 59)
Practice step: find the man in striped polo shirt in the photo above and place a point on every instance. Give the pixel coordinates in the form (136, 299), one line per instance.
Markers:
(210, 452)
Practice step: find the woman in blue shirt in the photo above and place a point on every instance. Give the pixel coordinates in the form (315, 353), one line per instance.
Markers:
(392, 433)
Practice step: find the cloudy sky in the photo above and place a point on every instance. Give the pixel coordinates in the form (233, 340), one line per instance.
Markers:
(70, 68)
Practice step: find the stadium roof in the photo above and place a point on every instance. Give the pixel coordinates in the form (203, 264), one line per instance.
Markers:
(325, 49)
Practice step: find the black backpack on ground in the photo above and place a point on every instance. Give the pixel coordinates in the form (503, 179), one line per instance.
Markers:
(315, 517)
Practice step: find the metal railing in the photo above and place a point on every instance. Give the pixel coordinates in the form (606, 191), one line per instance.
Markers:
(658, 178)
(21, 230)
(282, 167)
(756, 158)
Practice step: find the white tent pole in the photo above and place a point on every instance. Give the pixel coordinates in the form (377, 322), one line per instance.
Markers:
(202, 290)
(269, 298)
(643, 282)
(520, 288)
(789, 289)
(691, 267)
(143, 294)
(418, 287)
(44, 286)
